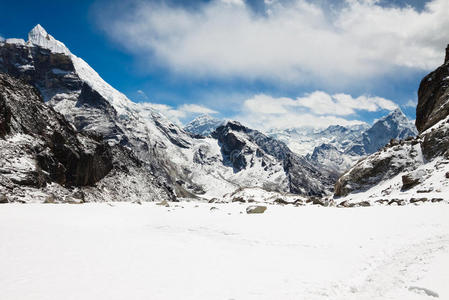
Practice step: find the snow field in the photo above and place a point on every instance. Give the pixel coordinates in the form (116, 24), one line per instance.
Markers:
(190, 251)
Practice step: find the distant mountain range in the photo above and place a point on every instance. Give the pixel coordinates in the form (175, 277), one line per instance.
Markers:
(335, 148)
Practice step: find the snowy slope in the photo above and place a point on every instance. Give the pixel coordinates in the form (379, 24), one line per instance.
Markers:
(191, 251)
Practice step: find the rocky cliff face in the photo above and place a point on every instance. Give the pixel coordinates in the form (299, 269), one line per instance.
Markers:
(433, 95)
(414, 165)
(62, 155)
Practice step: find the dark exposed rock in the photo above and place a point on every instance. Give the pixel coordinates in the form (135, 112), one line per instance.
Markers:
(280, 201)
(437, 200)
(298, 202)
(399, 202)
(238, 199)
(433, 95)
(318, 201)
(62, 156)
(382, 201)
(412, 179)
(3, 199)
(346, 204)
(417, 200)
(363, 204)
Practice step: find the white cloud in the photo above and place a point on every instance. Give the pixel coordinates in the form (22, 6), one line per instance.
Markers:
(234, 2)
(142, 95)
(317, 109)
(294, 41)
(196, 109)
(179, 114)
(411, 103)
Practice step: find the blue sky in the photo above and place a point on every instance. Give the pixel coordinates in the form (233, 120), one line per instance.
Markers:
(267, 63)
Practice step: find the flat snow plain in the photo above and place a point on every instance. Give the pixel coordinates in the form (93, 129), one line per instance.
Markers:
(130, 251)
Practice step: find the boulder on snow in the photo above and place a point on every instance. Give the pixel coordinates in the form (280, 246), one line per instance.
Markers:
(382, 201)
(412, 179)
(417, 200)
(238, 199)
(399, 202)
(280, 201)
(256, 209)
(345, 204)
(51, 199)
(363, 204)
(437, 200)
(3, 199)
(163, 203)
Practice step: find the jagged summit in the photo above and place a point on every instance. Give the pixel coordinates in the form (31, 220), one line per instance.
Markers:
(398, 117)
(39, 36)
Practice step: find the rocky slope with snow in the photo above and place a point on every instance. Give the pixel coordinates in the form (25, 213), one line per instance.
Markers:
(187, 165)
(43, 157)
(414, 169)
(244, 148)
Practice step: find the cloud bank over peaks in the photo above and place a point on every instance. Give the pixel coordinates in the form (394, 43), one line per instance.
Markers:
(290, 42)
(180, 114)
(318, 109)
(264, 112)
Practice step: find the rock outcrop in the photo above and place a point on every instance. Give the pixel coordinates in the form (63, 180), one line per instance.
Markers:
(433, 95)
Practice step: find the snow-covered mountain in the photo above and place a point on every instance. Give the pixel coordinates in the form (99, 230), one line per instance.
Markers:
(395, 125)
(411, 170)
(179, 163)
(203, 125)
(337, 148)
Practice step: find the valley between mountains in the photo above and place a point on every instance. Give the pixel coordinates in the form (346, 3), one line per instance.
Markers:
(105, 198)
